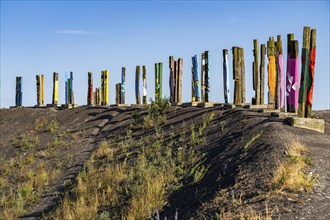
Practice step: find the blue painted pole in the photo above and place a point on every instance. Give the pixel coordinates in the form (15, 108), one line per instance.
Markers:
(195, 78)
(123, 79)
(226, 76)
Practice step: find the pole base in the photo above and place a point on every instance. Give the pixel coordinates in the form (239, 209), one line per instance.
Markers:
(307, 123)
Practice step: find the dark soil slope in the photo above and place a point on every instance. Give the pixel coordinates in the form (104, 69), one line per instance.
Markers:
(242, 149)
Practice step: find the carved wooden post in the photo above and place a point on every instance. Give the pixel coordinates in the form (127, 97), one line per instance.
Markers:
(242, 69)
(280, 74)
(38, 90)
(90, 89)
(310, 78)
(203, 78)
(271, 72)
(19, 92)
(305, 73)
(172, 78)
(195, 80)
(55, 88)
(256, 75)
(292, 75)
(137, 85)
(144, 78)
(236, 76)
(262, 73)
(123, 80)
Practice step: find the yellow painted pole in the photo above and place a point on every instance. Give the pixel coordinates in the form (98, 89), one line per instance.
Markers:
(55, 88)
(42, 89)
(106, 92)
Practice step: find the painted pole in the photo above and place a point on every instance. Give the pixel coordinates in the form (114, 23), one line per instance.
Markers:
(305, 72)
(207, 76)
(271, 72)
(71, 89)
(55, 88)
(123, 80)
(19, 93)
(144, 78)
(256, 75)
(66, 88)
(102, 88)
(90, 89)
(106, 91)
(292, 75)
(280, 74)
(160, 66)
(236, 76)
(118, 93)
(38, 90)
(262, 73)
(196, 93)
(137, 85)
(203, 78)
(156, 81)
(176, 79)
(242, 69)
(226, 84)
(310, 83)
(179, 74)
(172, 78)
(42, 89)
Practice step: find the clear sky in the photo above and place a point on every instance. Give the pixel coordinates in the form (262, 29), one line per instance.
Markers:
(80, 36)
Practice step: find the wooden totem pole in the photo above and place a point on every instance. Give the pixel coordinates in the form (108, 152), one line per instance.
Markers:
(195, 81)
(144, 78)
(123, 80)
(262, 73)
(137, 85)
(272, 79)
(239, 75)
(205, 86)
(175, 80)
(226, 84)
(158, 80)
(19, 92)
(280, 74)
(55, 88)
(292, 75)
(308, 55)
(256, 76)
(90, 89)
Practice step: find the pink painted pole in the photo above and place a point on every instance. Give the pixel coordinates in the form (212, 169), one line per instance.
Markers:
(292, 75)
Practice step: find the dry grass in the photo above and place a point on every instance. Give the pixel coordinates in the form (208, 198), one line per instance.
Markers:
(136, 186)
(291, 175)
(25, 175)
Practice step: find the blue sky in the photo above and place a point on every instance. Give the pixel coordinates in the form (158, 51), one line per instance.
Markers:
(80, 36)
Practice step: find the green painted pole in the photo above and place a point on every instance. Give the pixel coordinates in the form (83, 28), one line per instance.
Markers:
(305, 73)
